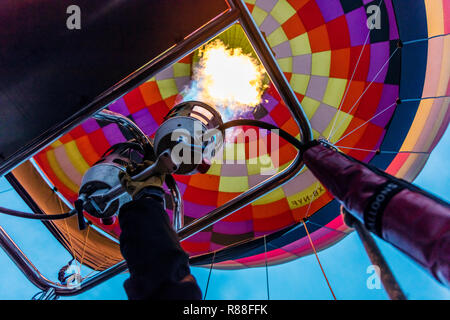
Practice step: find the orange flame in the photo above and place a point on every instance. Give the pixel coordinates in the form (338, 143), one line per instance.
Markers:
(228, 78)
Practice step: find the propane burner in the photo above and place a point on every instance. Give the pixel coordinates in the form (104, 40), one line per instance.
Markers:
(104, 175)
(185, 143)
(189, 131)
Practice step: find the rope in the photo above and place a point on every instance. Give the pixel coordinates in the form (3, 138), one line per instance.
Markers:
(322, 226)
(312, 199)
(383, 151)
(95, 269)
(68, 233)
(318, 260)
(425, 98)
(425, 39)
(365, 90)
(353, 75)
(48, 294)
(84, 246)
(267, 268)
(4, 191)
(367, 121)
(209, 275)
(382, 111)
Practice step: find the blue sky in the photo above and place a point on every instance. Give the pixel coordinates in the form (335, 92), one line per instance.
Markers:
(344, 263)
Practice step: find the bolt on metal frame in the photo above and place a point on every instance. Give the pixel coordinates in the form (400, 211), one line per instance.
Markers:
(237, 13)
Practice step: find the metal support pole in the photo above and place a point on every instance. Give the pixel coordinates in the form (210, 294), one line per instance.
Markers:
(388, 280)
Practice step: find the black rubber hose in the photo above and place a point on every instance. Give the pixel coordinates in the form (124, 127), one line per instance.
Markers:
(264, 125)
(234, 123)
(27, 215)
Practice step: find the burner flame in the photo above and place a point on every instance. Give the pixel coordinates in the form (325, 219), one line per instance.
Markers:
(228, 79)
